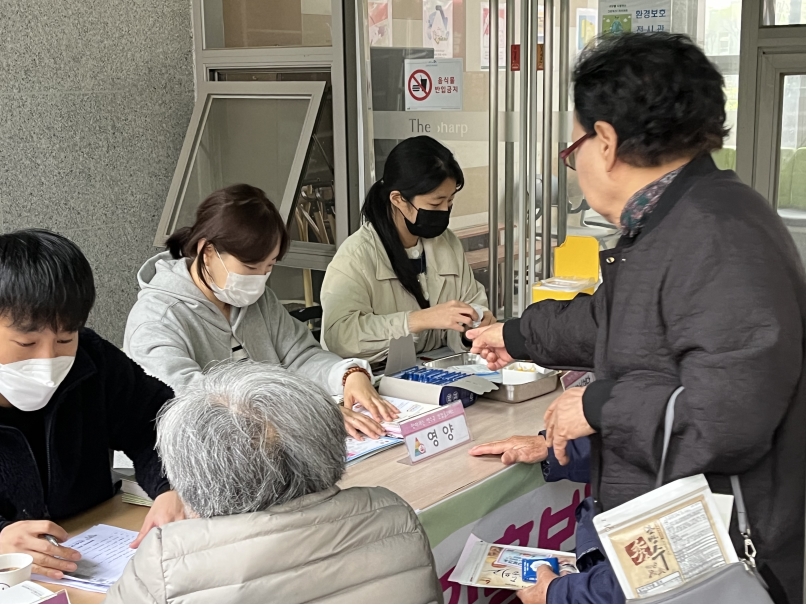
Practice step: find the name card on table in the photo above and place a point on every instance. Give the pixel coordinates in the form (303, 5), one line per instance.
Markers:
(436, 432)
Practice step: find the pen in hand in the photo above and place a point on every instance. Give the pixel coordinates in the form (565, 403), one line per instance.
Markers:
(51, 539)
(56, 543)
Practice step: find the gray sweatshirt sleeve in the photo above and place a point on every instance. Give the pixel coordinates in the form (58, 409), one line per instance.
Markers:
(299, 352)
(163, 353)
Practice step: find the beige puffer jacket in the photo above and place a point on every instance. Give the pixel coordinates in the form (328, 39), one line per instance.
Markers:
(359, 545)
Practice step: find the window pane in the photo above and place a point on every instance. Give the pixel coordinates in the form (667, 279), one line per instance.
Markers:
(792, 176)
(296, 288)
(244, 140)
(265, 23)
(789, 12)
(313, 217)
(722, 34)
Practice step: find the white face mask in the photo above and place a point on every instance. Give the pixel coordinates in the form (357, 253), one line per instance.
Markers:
(28, 385)
(240, 290)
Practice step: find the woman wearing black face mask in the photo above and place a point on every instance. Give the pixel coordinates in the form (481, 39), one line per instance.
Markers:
(404, 272)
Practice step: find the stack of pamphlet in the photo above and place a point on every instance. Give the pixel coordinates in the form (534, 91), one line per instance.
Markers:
(502, 565)
(360, 450)
(408, 411)
(134, 494)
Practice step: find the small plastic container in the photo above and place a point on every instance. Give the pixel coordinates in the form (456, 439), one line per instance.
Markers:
(520, 373)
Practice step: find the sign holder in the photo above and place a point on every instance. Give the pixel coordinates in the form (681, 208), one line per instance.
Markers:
(435, 433)
(433, 84)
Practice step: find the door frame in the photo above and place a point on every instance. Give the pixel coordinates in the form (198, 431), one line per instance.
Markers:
(767, 54)
(773, 68)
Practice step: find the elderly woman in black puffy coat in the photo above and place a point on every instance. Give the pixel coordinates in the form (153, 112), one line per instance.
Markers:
(704, 290)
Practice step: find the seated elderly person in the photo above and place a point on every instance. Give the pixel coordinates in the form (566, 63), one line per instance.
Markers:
(255, 452)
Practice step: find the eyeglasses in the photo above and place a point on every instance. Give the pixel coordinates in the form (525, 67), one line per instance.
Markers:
(568, 156)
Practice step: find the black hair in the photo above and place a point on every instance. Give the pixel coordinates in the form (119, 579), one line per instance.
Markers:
(45, 282)
(238, 220)
(416, 166)
(659, 91)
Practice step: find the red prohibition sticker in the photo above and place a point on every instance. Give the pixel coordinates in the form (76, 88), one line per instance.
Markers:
(420, 85)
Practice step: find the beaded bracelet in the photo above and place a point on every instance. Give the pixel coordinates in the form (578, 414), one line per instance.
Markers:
(353, 370)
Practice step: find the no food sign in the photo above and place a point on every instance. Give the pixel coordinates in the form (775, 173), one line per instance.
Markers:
(420, 85)
(433, 84)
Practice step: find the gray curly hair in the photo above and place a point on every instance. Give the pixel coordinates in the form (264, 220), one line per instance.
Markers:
(247, 436)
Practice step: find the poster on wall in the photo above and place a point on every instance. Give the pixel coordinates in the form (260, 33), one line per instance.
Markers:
(586, 26)
(433, 84)
(438, 27)
(485, 36)
(380, 23)
(635, 16)
(502, 40)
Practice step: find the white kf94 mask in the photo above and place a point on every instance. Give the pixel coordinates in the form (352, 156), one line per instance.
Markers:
(28, 385)
(240, 290)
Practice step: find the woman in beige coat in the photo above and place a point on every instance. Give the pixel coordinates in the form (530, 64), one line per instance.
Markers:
(404, 272)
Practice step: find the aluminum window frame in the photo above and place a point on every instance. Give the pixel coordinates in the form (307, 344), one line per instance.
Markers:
(773, 68)
(326, 58)
(755, 132)
(313, 92)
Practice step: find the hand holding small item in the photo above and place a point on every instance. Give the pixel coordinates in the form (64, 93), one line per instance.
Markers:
(488, 342)
(539, 592)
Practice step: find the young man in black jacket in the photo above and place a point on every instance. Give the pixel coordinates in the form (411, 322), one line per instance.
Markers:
(705, 290)
(67, 397)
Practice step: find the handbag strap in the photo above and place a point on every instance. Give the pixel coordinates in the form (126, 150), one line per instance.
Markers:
(668, 423)
(738, 498)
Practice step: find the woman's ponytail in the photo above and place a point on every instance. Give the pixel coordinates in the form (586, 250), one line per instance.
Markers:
(177, 241)
(416, 166)
(377, 211)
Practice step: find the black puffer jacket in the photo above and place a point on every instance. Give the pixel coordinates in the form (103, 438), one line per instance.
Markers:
(105, 403)
(711, 295)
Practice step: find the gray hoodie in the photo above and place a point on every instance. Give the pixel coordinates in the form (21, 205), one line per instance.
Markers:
(174, 332)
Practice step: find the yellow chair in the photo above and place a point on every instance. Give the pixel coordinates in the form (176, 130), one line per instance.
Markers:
(576, 269)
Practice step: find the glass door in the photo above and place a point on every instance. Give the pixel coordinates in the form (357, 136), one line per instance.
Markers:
(431, 71)
(509, 216)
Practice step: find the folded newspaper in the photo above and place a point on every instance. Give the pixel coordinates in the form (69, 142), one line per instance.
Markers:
(500, 565)
(665, 538)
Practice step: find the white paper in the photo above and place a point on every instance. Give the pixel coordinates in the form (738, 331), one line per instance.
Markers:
(27, 592)
(121, 460)
(104, 554)
(724, 504)
(408, 410)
